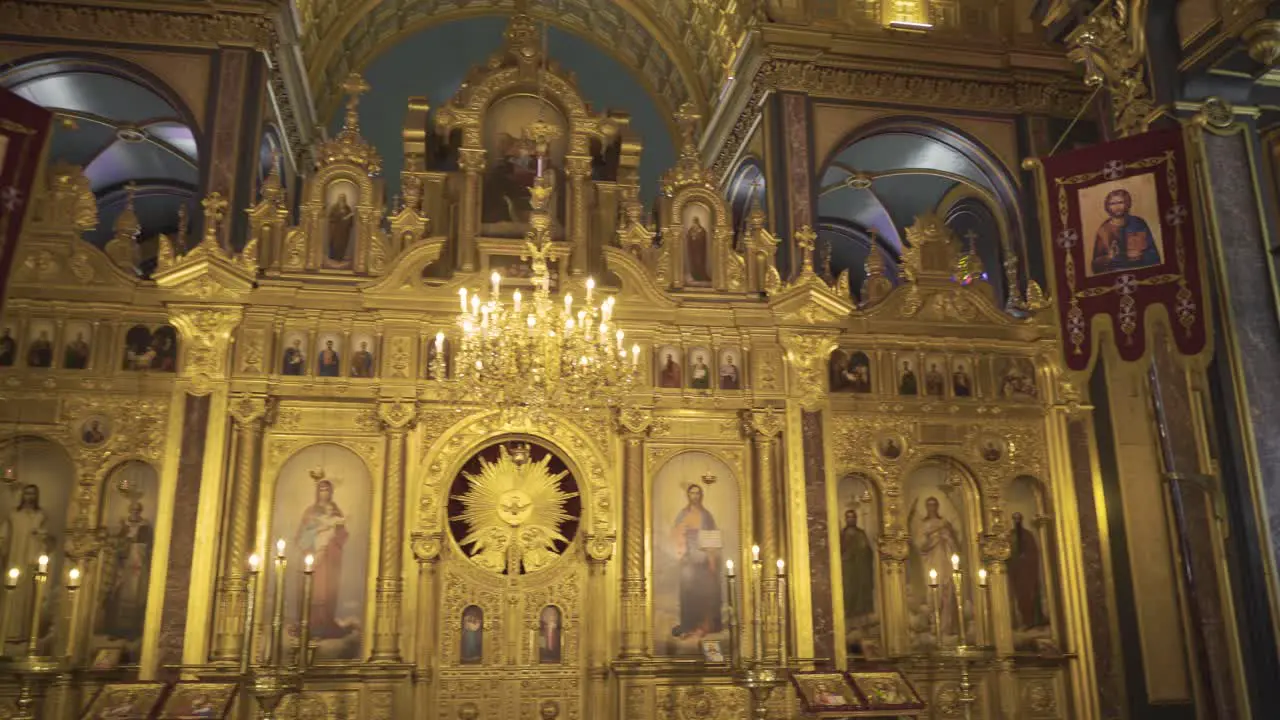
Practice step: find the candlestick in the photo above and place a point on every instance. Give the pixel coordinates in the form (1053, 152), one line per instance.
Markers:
(251, 601)
(782, 613)
(304, 633)
(937, 607)
(73, 584)
(277, 617)
(957, 582)
(757, 614)
(10, 583)
(39, 581)
(735, 644)
(982, 606)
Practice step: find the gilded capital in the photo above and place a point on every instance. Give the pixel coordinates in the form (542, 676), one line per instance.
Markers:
(807, 354)
(425, 546)
(995, 547)
(600, 547)
(397, 415)
(206, 336)
(895, 546)
(247, 409)
(634, 420)
(766, 423)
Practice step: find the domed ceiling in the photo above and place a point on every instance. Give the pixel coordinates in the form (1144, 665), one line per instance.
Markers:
(434, 62)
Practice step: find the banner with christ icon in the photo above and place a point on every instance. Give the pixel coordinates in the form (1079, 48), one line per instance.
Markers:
(24, 129)
(1121, 240)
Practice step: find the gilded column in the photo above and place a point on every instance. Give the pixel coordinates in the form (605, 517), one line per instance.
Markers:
(396, 417)
(426, 550)
(578, 168)
(247, 413)
(995, 548)
(472, 163)
(764, 427)
(895, 545)
(633, 425)
(596, 627)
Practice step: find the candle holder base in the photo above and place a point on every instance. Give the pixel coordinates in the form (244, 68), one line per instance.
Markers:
(31, 672)
(760, 681)
(269, 687)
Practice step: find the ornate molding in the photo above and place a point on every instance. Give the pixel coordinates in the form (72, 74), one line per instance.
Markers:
(767, 423)
(136, 26)
(397, 415)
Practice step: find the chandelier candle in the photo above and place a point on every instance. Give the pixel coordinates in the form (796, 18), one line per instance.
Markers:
(250, 607)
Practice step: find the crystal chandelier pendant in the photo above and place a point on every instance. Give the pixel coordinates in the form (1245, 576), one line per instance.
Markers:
(527, 354)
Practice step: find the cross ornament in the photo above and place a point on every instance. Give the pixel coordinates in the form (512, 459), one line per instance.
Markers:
(805, 238)
(354, 86)
(687, 118)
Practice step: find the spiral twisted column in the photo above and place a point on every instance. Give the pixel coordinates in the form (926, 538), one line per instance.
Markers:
(471, 161)
(248, 413)
(763, 427)
(634, 424)
(397, 417)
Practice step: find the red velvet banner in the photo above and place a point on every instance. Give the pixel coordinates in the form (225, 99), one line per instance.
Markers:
(1121, 239)
(24, 127)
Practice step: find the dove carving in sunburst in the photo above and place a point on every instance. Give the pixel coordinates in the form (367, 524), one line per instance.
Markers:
(513, 510)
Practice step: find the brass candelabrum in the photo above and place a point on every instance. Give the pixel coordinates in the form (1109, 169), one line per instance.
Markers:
(30, 667)
(760, 675)
(963, 653)
(272, 680)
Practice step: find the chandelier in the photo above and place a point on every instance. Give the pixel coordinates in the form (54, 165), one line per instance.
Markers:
(533, 353)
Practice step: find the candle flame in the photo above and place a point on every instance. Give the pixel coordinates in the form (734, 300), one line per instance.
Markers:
(755, 553)
(955, 562)
(254, 562)
(43, 561)
(728, 565)
(933, 577)
(280, 547)
(308, 561)
(781, 565)
(982, 577)
(74, 575)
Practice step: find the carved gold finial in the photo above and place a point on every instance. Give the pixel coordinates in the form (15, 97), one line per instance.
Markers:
(687, 119)
(805, 238)
(1111, 44)
(215, 208)
(184, 226)
(127, 223)
(876, 285)
(354, 86)
(968, 266)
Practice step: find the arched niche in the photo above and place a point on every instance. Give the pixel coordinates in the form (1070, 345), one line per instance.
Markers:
(1030, 567)
(888, 172)
(857, 519)
(33, 520)
(127, 516)
(137, 141)
(322, 505)
(942, 514)
(697, 518)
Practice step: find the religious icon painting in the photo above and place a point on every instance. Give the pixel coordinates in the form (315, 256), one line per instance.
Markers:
(1030, 599)
(1016, 378)
(106, 658)
(95, 430)
(695, 234)
(471, 636)
(836, 365)
(40, 344)
(670, 370)
(859, 523)
(550, 627)
(905, 374)
(516, 160)
(362, 356)
(936, 522)
(711, 651)
(695, 529)
(138, 351)
(8, 345)
(77, 346)
(825, 692)
(992, 448)
(963, 377)
(293, 356)
(699, 368)
(339, 223)
(935, 376)
(197, 700)
(730, 370)
(1114, 216)
(164, 341)
(886, 690)
(129, 516)
(323, 508)
(328, 355)
(891, 446)
(125, 701)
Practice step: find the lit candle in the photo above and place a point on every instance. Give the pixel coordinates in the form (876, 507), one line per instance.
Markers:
(251, 602)
(40, 580)
(955, 563)
(496, 280)
(475, 304)
(73, 584)
(43, 562)
(280, 549)
(11, 580)
(982, 578)
(73, 579)
(532, 321)
(467, 327)
(607, 308)
(515, 298)
(757, 610)
(933, 578)
(619, 335)
(635, 355)
(755, 553)
(304, 633)
(591, 286)
(735, 641)
(568, 304)
(462, 296)
(935, 596)
(277, 617)
(439, 343)
(728, 566)
(782, 612)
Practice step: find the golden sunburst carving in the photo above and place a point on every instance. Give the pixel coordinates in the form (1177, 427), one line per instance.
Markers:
(514, 510)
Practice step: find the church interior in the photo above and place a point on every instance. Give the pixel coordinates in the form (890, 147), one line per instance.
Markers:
(639, 359)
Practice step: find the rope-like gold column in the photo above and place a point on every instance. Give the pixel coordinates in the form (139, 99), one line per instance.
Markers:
(764, 426)
(578, 167)
(472, 163)
(426, 550)
(396, 417)
(633, 424)
(247, 411)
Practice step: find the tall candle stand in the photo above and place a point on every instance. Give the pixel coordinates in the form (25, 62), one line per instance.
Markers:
(963, 653)
(31, 668)
(270, 681)
(759, 675)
